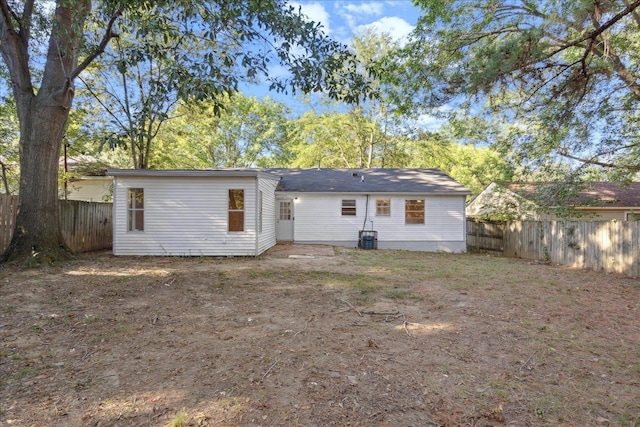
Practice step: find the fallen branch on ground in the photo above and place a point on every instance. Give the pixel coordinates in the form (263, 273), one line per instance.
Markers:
(269, 370)
(350, 305)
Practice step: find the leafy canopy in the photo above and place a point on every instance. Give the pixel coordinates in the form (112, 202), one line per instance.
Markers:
(562, 76)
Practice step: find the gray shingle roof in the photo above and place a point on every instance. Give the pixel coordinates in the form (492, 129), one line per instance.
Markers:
(330, 180)
(595, 194)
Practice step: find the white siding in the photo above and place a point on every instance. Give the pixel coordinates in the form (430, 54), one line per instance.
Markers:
(90, 189)
(267, 238)
(186, 216)
(318, 219)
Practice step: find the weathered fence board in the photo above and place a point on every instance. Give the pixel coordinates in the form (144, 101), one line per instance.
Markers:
(86, 226)
(485, 235)
(611, 246)
(8, 212)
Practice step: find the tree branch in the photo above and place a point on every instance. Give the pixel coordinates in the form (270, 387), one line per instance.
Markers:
(25, 22)
(593, 161)
(14, 52)
(7, 16)
(108, 35)
(635, 14)
(596, 32)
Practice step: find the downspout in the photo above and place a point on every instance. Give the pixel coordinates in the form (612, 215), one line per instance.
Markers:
(366, 213)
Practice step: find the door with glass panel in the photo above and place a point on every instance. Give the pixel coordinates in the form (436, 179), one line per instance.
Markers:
(284, 220)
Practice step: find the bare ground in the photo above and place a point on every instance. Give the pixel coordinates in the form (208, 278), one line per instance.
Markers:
(358, 338)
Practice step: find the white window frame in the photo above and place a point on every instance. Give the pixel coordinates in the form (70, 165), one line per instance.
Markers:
(135, 209)
(408, 219)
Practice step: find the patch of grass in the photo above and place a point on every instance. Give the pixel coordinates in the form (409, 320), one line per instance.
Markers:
(36, 329)
(25, 372)
(364, 283)
(400, 293)
(180, 420)
(89, 318)
(108, 335)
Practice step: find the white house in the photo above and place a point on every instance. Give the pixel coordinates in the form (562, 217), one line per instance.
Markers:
(193, 213)
(243, 212)
(597, 201)
(89, 188)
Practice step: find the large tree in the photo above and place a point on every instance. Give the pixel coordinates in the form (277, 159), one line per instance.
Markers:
(247, 132)
(561, 79)
(46, 45)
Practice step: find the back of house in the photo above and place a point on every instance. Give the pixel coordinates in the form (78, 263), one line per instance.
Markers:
(243, 212)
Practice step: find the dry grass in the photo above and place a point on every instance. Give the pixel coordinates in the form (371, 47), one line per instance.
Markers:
(360, 338)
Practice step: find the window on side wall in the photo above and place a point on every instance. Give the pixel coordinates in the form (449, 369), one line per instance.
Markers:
(135, 209)
(236, 210)
(414, 211)
(383, 207)
(348, 207)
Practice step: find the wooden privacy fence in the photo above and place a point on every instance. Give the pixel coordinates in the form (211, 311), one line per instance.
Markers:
(485, 235)
(611, 246)
(86, 226)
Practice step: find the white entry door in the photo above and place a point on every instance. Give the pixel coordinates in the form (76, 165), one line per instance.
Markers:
(284, 220)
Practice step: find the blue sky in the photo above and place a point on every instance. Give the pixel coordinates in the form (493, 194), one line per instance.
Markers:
(341, 19)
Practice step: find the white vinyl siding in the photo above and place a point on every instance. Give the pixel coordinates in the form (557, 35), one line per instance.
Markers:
(187, 216)
(267, 238)
(90, 189)
(319, 219)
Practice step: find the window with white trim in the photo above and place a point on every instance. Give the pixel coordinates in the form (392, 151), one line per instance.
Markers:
(414, 211)
(348, 207)
(236, 210)
(135, 209)
(383, 207)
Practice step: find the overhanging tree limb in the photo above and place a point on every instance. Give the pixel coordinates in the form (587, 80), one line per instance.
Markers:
(106, 38)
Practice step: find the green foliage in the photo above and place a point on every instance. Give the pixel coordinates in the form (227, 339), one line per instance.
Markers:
(246, 132)
(561, 79)
(197, 51)
(9, 136)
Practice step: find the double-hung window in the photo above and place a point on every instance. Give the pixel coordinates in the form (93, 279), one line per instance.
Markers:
(348, 207)
(383, 207)
(135, 209)
(414, 211)
(236, 210)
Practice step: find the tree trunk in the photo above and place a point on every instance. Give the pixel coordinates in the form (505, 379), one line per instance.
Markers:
(37, 234)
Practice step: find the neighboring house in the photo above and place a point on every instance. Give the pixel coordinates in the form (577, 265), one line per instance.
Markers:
(89, 189)
(243, 212)
(601, 201)
(85, 179)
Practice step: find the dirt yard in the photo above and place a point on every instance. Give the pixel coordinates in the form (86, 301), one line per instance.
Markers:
(327, 337)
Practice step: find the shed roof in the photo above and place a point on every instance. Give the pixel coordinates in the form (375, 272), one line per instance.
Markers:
(383, 180)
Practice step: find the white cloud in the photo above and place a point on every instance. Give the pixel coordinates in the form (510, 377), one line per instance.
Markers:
(368, 8)
(396, 27)
(429, 122)
(316, 12)
(353, 13)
